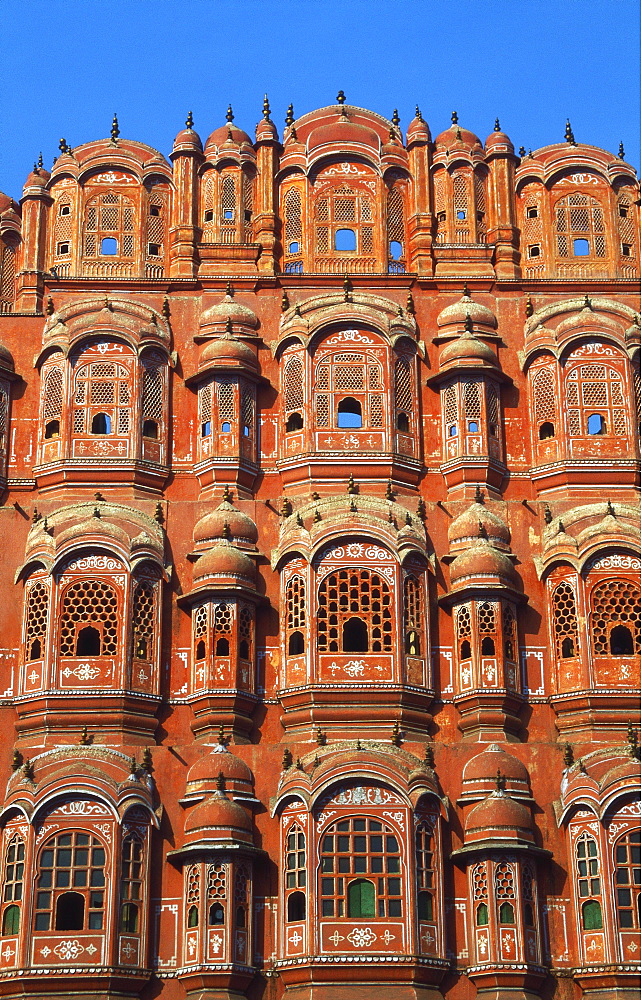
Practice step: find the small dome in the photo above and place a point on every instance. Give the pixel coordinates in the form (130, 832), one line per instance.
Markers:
(227, 134)
(92, 527)
(483, 560)
(212, 527)
(225, 560)
(266, 131)
(227, 351)
(498, 818)
(343, 132)
(203, 775)
(468, 350)
(187, 139)
(418, 130)
(465, 527)
(479, 775)
(456, 313)
(455, 136)
(217, 817)
(239, 315)
(37, 178)
(498, 140)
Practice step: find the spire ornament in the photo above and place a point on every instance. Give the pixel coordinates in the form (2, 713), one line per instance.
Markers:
(395, 118)
(266, 108)
(229, 114)
(341, 98)
(620, 151)
(568, 134)
(497, 127)
(115, 129)
(454, 117)
(289, 118)
(189, 121)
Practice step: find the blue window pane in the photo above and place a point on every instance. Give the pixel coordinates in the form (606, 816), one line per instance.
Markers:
(595, 424)
(293, 247)
(345, 240)
(395, 249)
(108, 246)
(581, 248)
(226, 427)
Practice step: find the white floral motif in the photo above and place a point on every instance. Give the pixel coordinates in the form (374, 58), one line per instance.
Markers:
(84, 672)
(295, 938)
(397, 817)
(387, 937)
(362, 937)
(217, 941)
(68, 949)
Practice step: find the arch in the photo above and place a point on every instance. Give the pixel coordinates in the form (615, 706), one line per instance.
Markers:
(360, 595)
(70, 912)
(296, 906)
(349, 413)
(88, 641)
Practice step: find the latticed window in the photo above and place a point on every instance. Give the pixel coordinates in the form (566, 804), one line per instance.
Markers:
(89, 620)
(154, 367)
(7, 276)
(295, 873)
(487, 625)
(413, 612)
(579, 226)
(144, 619)
(404, 396)
(216, 893)
(247, 411)
(425, 859)
(193, 895)
(509, 629)
(229, 209)
(293, 398)
(226, 390)
(564, 620)
(615, 618)
(589, 889)
(480, 205)
(504, 877)
(13, 886)
(4, 416)
(479, 879)
(70, 884)
(545, 402)
(296, 615)
(156, 222)
(248, 180)
(131, 884)
(102, 398)
(595, 400)
(360, 870)
(292, 212)
(464, 632)
(52, 402)
(627, 880)
(349, 391)
(246, 631)
(354, 613)
(242, 882)
(109, 226)
(37, 619)
(626, 226)
(529, 899)
(461, 209)
(396, 232)
(344, 223)
(222, 621)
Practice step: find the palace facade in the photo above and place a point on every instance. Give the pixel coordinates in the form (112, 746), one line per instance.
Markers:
(320, 567)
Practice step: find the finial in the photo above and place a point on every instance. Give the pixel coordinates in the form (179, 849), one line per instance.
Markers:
(159, 516)
(529, 310)
(466, 290)
(568, 134)
(317, 514)
(40, 164)
(229, 291)
(36, 516)
(266, 108)
(429, 756)
(408, 518)
(560, 527)
(229, 114)
(458, 133)
(500, 781)
(147, 764)
(299, 764)
(468, 323)
(421, 509)
(581, 766)
(115, 130)
(351, 487)
(620, 151)
(347, 288)
(286, 507)
(220, 782)
(497, 127)
(569, 759)
(85, 739)
(353, 505)
(392, 135)
(587, 303)
(341, 97)
(322, 739)
(391, 517)
(46, 528)
(481, 530)
(454, 117)
(189, 121)
(50, 306)
(299, 520)
(315, 495)
(418, 113)
(285, 302)
(97, 512)
(410, 304)
(133, 766)
(610, 509)
(16, 760)
(166, 310)
(390, 493)
(293, 134)
(28, 771)
(316, 762)
(228, 496)
(632, 739)
(228, 325)
(289, 118)
(395, 118)
(297, 310)
(225, 531)
(479, 494)
(286, 762)
(395, 737)
(548, 516)
(522, 151)
(358, 746)
(221, 735)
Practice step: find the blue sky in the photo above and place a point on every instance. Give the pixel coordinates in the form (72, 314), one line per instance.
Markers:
(69, 64)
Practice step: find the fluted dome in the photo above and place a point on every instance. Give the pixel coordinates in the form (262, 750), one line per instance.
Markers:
(212, 527)
(225, 561)
(229, 309)
(465, 527)
(456, 313)
(203, 775)
(483, 560)
(218, 818)
(479, 775)
(343, 132)
(37, 178)
(92, 527)
(498, 817)
(469, 351)
(457, 136)
(227, 351)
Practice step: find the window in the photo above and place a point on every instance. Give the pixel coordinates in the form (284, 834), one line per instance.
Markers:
(395, 249)
(296, 615)
(413, 615)
(626, 249)
(532, 212)
(564, 620)
(102, 394)
(209, 215)
(216, 893)
(350, 385)
(360, 870)
(109, 226)
(293, 227)
(487, 625)
(206, 428)
(587, 870)
(615, 618)
(396, 230)
(65, 210)
(505, 892)
(154, 209)
(403, 423)
(37, 620)
(581, 248)
(361, 600)
(153, 249)
(534, 250)
(75, 863)
(295, 873)
(150, 429)
(595, 400)
(547, 430)
(52, 429)
(460, 214)
(108, 246)
(595, 424)
(464, 632)
(144, 619)
(424, 852)
(623, 211)
(62, 249)
(13, 886)
(579, 224)
(293, 247)
(627, 880)
(482, 915)
(294, 423)
(88, 642)
(131, 884)
(349, 413)
(345, 240)
(83, 602)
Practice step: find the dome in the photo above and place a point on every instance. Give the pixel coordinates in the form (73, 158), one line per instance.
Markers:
(92, 527)
(227, 350)
(465, 527)
(203, 775)
(456, 136)
(418, 131)
(498, 140)
(186, 139)
(217, 817)
(227, 133)
(225, 560)
(479, 775)
(468, 350)
(455, 314)
(37, 178)
(211, 527)
(483, 560)
(229, 308)
(266, 131)
(343, 132)
(498, 818)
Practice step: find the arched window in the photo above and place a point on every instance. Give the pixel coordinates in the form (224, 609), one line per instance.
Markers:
(131, 884)
(293, 243)
(193, 895)
(360, 870)
(37, 620)
(544, 402)
(349, 391)
(52, 402)
(355, 636)
(349, 413)
(461, 209)
(246, 632)
(222, 624)
(293, 397)
(564, 621)
(404, 395)
(70, 883)
(344, 223)
(295, 614)
(102, 397)
(354, 595)
(615, 618)
(396, 231)
(589, 889)
(295, 873)
(579, 224)
(242, 883)
(89, 616)
(110, 227)
(144, 619)
(228, 209)
(414, 619)
(13, 885)
(479, 892)
(154, 371)
(424, 852)
(505, 892)
(216, 893)
(627, 880)
(595, 401)
(487, 625)
(200, 627)
(509, 629)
